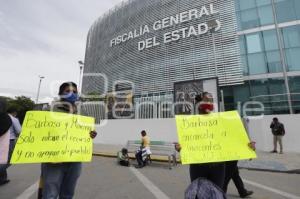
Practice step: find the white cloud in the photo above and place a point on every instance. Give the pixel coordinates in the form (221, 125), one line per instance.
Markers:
(44, 38)
(6, 95)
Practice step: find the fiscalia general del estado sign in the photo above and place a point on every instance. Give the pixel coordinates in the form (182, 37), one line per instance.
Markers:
(175, 35)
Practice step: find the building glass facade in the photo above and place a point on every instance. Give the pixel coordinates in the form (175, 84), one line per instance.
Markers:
(269, 32)
(268, 35)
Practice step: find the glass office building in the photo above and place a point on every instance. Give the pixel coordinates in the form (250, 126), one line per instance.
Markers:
(269, 34)
(252, 46)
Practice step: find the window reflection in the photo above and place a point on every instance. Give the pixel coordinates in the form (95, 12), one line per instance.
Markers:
(285, 10)
(291, 37)
(254, 13)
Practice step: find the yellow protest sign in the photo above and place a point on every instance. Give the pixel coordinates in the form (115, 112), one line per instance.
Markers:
(54, 137)
(216, 137)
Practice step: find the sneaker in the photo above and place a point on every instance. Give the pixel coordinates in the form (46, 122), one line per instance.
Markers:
(246, 194)
(4, 182)
(281, 152)
(139, 166)
(274, 151)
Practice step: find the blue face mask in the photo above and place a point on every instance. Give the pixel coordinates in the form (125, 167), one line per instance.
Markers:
(71, 97)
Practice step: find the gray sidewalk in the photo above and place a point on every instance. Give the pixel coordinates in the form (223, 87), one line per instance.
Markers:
(287, 162)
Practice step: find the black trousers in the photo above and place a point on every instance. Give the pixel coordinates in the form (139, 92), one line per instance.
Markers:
(124, 163)
(215, 172)
(139, 158)
(232, 172)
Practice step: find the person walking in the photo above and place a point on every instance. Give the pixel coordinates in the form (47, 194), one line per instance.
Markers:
(278, 132)
(232, 172)
(59, 180)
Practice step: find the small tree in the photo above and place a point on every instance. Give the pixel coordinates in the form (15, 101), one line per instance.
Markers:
(22, 104)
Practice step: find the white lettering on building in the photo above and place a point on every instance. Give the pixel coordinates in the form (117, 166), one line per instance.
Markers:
(167, 22)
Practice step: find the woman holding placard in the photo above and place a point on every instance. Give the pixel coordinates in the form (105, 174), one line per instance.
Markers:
(214, 172)
(59, 180)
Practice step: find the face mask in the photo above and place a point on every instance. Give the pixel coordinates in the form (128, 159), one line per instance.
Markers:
(206, 108)
(71, 97)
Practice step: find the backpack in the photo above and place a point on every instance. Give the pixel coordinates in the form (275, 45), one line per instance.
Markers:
(278, 129)
(202, 188)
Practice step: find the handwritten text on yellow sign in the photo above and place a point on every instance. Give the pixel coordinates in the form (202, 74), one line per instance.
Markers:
(54, 137)
(216, 137)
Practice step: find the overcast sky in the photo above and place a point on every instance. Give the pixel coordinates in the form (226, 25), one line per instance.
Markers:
(44, 37)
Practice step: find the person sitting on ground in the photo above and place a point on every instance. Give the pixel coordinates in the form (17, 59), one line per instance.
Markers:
(144, 151)
(123, 157)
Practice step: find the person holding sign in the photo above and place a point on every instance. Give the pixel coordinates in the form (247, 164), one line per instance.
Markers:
(59, 180)
(214, 172)
(205, 103)
(211, 139)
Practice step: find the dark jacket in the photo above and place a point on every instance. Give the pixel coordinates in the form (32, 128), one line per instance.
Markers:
(277, 129)
(5, 123)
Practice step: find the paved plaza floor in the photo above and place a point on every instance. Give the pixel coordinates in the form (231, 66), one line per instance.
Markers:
(104, 179)
(266, 161)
